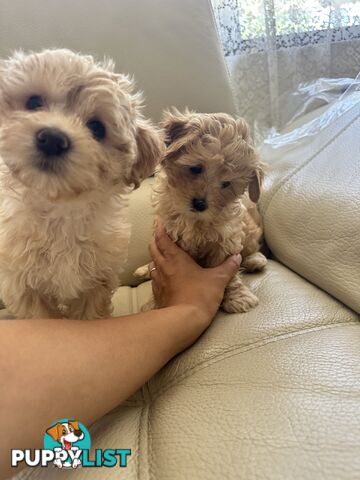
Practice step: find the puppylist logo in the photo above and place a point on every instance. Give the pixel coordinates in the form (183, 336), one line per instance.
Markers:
(67, 445)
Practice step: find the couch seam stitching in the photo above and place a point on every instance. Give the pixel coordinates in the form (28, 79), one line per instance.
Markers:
(149, 443)
(246, 348)
(138, 444)
(144, 425)
(300, 167)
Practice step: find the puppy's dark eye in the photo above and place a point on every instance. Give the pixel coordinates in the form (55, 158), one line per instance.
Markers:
(225, 184)
(196, 170)
(34, 102)
(97, 129)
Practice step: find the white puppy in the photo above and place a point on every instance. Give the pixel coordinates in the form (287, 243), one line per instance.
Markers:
(72, 144)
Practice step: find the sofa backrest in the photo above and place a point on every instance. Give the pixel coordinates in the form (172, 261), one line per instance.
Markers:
(311, 208)
(170, 46)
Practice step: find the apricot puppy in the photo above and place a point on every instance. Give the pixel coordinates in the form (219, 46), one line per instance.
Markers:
(205, 195)
(72, 145)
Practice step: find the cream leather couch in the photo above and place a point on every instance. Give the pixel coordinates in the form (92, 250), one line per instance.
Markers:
(270, 394)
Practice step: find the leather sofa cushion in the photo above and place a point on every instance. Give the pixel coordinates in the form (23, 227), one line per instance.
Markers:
(141, 216)
(311, 208)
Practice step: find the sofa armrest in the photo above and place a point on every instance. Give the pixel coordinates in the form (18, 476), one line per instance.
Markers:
(141, 218)
(310, 208)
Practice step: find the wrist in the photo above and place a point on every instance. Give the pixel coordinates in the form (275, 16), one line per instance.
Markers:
(200, 315)
(189, 322)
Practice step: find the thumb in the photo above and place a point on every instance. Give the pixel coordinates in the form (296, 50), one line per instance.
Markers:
(229, 267)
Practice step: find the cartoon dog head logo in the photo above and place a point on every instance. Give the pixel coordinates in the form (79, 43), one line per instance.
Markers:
(66, 433)
(68, 438)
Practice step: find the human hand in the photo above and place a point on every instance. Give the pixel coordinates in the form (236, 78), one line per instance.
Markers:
(179, 280)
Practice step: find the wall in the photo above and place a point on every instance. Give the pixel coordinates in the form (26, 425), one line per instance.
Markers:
(171, 46)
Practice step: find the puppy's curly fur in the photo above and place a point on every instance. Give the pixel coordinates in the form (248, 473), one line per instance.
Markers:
(202, 194)
(63, 227)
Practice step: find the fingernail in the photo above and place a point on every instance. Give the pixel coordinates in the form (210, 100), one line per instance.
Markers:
(238, 258)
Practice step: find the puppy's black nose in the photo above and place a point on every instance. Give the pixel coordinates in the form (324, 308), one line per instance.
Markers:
(199, 204)
(52, 142)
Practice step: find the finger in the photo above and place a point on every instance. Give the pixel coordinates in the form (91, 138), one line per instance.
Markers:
(157, 292)
(166, 246)
(153, 272)
(156, 255)
(155, 276)
(229, 267)
(158, 223)
(157, 282)
(151, 267)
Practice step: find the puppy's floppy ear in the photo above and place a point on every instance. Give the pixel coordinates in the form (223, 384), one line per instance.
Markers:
(178, 131)
(54, 431)
(175, 125)
(150, 150)
(255, 183)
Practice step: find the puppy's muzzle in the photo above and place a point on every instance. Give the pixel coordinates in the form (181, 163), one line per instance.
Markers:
(52, 142)
(199, 204)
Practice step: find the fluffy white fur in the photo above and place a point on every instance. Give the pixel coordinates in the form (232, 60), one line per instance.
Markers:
(211, 157)
(63, 231)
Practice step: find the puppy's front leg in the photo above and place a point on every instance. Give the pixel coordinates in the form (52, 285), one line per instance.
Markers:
(144, 273)
(95, 303)
(254, 262)
(238, 298)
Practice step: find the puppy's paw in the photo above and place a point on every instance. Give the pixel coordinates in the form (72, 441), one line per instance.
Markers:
(254, 262)
(239, 301)
(142, 272)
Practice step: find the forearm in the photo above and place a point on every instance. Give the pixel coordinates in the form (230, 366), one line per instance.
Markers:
(51, 369)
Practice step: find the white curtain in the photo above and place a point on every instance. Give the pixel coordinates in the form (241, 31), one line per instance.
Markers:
(272, 46)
